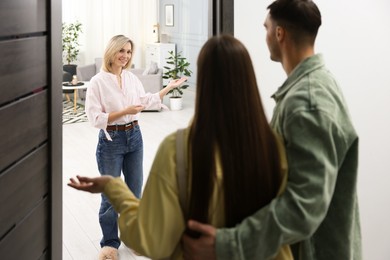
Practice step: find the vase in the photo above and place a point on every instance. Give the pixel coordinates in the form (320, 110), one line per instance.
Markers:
(176, 103)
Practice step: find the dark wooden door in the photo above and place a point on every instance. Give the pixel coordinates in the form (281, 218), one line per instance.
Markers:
(222, 16)
(30, 129)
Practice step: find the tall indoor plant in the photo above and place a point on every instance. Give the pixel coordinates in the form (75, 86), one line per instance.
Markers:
(70, 45)
(178, 67)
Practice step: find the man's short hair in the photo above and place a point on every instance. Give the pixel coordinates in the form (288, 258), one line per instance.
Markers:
(300, 16)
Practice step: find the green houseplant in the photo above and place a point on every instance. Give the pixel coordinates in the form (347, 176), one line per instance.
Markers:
(70, 50)
(178, 67)
(70, 41)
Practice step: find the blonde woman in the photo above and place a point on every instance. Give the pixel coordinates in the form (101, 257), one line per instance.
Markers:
(113, 104)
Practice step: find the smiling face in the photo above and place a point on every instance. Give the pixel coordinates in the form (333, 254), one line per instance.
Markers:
(122, 57)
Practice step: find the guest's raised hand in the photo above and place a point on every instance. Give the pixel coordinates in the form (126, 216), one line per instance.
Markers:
(92, 185)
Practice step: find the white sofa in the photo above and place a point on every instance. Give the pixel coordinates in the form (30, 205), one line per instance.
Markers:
(152, 82)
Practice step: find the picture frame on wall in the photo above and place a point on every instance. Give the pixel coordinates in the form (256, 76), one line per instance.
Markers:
(169, 15)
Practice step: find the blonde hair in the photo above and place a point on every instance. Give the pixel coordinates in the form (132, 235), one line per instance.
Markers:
(113, 47)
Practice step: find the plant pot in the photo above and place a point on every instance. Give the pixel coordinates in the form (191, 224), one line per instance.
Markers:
(70, 68)
(176, 103)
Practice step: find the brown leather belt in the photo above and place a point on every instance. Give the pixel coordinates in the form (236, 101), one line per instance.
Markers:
(122, 127)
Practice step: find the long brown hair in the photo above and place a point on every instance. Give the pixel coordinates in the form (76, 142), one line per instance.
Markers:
(230, 120)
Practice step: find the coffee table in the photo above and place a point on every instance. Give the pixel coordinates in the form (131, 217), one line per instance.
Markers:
(75, 88)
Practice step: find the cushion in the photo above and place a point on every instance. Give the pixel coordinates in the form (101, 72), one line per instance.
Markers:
(98, 64)
(151, 69)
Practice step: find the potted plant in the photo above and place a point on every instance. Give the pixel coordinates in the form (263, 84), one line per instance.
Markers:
(178, 67)
(70, 45)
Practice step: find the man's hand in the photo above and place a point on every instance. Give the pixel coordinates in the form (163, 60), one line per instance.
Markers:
(203, 247)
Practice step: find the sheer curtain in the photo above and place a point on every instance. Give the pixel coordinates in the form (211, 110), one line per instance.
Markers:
(103, 19)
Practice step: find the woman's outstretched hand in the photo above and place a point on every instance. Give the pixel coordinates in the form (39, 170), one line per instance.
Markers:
(176, 83)
(92, 185)
(171, 85)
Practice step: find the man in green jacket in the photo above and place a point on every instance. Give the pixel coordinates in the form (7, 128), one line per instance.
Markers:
(318, 212)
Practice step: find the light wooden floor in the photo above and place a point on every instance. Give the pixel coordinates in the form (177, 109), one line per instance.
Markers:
(81, 230)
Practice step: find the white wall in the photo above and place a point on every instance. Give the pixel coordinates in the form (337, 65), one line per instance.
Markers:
(190, 30)
(103, 19)
(355, 41)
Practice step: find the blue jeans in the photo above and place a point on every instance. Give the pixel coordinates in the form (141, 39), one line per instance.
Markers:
(124, 153)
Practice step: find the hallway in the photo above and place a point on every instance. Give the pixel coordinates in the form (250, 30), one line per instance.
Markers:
(81, 230)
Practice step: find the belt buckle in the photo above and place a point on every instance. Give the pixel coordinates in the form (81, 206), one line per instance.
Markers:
(128, 124)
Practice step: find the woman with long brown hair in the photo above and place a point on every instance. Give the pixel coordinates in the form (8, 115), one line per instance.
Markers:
(236, 162)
